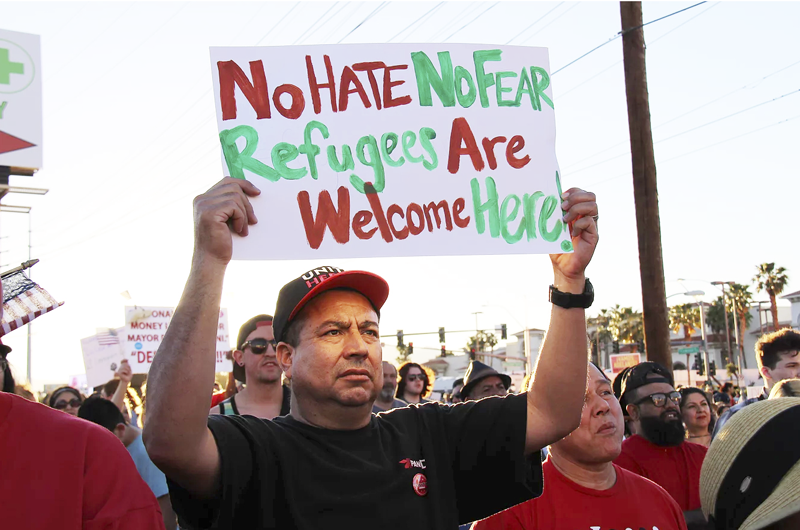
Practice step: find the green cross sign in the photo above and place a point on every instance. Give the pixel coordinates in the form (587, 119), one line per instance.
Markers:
(8, 67)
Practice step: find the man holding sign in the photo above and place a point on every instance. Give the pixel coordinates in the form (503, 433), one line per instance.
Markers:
(331, 463)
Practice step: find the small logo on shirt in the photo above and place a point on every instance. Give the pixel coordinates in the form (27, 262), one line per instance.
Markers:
(420, 484)
(408, 463)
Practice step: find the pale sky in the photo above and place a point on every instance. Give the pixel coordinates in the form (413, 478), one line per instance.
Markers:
(130, 138)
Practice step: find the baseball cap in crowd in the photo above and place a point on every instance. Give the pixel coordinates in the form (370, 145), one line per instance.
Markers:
(244, 331)
(294, 296)
(478, 371)
(751, 474)
(638, 376)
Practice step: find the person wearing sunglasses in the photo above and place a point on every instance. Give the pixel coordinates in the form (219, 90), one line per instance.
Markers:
(415, 383)
(255, 365)
(66, 399)
(659, 451)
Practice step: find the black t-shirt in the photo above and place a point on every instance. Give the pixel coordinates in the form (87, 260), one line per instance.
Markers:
(426, 466)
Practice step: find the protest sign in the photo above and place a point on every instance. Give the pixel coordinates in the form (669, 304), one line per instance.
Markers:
(623, 360)
(391, 150)
(145, 328)
(20, 100)
(102, 354)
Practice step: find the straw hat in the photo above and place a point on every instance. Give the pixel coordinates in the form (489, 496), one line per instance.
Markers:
(751, 474)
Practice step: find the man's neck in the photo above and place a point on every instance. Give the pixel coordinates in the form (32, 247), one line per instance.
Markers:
(259, 393)
(381, 404)
(697, 432)
(599, 476)
(331, 415)
(411, 398)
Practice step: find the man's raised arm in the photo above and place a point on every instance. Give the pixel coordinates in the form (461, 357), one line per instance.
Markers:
(176, 434)
(559, 384)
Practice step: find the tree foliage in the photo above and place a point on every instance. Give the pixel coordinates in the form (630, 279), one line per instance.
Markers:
(686, 318)
(626, 325)
(772, 280)
(481, 341)
(403, 356)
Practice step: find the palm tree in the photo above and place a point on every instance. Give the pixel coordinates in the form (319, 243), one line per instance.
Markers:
(403, 354)
(739, 300)
(602, 333)
(684, 317)
(715, 318)
(481, 341)
(773, 281)
(626, 325)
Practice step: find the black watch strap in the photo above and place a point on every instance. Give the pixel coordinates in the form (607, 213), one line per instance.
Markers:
(569, 300)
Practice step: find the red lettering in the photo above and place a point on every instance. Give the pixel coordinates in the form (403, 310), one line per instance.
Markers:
(370, 69)
(458, 207)
(327, 216)
(361, 219)
(257, 93)
(388, 100)
(488, 147)
(298, 101)
(314, 86)
(396, 210)
(448, 224)
(417, 209)
(377, 209)
(461, 132)
(515, 145)
(349, 77)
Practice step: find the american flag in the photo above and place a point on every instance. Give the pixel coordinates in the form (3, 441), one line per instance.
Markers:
(107, 337)
(23, 300)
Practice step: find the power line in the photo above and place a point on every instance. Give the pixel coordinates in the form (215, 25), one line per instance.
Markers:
(308, 29)
(471, 21)
(537, 21)
(532, 35)
(277, 24)
(436, 7)
(621, 33)
(375, 12)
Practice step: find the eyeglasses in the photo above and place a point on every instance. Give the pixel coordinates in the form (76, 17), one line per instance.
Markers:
(259, 346)
(660, 399)
(414, 377)
(61, 405)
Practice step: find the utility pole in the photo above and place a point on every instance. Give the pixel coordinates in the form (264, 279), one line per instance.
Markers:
(645, 189)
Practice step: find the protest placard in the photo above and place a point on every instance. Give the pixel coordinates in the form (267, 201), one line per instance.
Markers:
(145, 328)
(621, 361)
(391, 150)
(102, 354)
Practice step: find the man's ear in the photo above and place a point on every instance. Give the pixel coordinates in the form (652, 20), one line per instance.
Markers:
(119, 431)
(285, 356)
(633, 411)
(238, 357)
(765, 372)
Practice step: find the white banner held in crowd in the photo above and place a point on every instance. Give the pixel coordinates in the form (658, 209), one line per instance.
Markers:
(392, 149)
(102, 355)
(144, 331)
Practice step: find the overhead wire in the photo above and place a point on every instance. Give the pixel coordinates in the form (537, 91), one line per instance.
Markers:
(426, 15)
(471, 21)
(312, 26)
(375, 12)
(534, 23)
(532, 35)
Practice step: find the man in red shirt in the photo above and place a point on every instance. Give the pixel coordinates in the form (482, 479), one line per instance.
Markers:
(659, 450)
(583, 488)
(83, 472)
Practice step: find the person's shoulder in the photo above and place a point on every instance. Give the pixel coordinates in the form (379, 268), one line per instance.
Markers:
(695, 449)
(638, 483)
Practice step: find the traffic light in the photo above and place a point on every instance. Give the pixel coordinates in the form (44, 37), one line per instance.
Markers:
(712, 368)
(615, 344)
(444, 351)
(399, 338)
(503, 331)
(472, 354)
(410, 348)
(441, 335)
(698, 362)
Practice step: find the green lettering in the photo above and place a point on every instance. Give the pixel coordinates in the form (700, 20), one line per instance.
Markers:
(286, 152)
(489, 206)
(524, 87)
(484, 80)
(2, 108)
(374, 162)
(500, 89)
(426, 134)
(539, 84)
(428, 77)
(465, 100)
(238, 161)
(529, 207)
(387, 148)
(506, 217)
(311, 150)
(346, 164)
(409, 140)
(549, 207)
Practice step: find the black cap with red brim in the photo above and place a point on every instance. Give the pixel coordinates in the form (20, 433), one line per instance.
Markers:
(294, 296)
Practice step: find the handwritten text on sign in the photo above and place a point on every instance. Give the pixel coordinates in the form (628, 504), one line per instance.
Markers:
(387, 150)
(145, 328)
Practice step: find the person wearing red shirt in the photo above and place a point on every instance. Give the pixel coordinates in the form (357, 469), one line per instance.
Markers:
(583, 489)
(659, 451)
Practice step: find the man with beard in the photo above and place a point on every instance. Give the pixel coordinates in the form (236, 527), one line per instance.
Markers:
(579, 473)
(254, 356)
(386, 399)
(658, 450)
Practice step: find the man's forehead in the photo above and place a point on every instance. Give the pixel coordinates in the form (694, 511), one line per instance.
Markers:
(790, 355)
(337, 302)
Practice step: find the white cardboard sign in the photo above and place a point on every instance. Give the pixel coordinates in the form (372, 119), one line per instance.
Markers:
(145, 328)
(101, 357)
(391, 150)
(20, 100)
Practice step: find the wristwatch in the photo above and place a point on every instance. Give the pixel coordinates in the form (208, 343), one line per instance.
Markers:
(569, 300)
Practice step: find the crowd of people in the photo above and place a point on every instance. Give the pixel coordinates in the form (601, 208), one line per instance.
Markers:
(316, 430)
